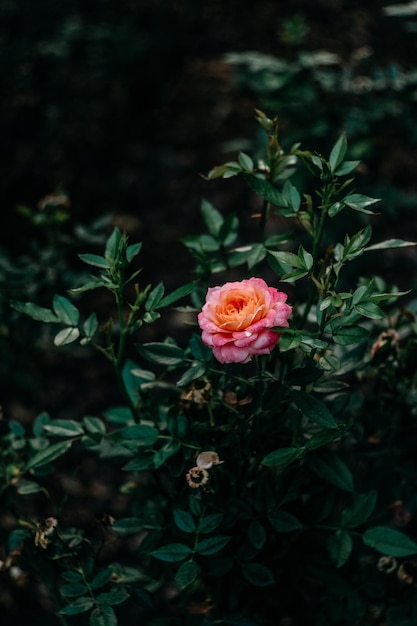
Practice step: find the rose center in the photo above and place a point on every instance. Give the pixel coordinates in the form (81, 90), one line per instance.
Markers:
(236, 305)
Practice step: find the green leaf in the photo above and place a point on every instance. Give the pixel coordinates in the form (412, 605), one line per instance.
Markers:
(143, 435)
(346, 168)
(72, 577)
(140, 462)
(94, 425)
(347, 335)
(118, 414)
(64, 428)
(155, 296)
(172, 552)
(103, 615)
(210, 522)
(67, 313)
(66, 336)
(112, 597)
(94, 284)
(389, 541)
(283, 457)
(133, 377)
(201, 243)
(73, 590)
(306, 258)
(162, 353)
(360, 510)
(338, 152)
(265, 189)
(340, 546)
(324, 437)
(16, 538)
(256, 254)
(126, 574)
(227, 170)
(256, 534)
(289, 342)
(17, 428)
(331, 468)
(177, 294)
(312, 408)
(90, 325)
(80, 605)
(359, 202)
(370, 310)
(288, 258)
(102, 578)
(390, 243)
(245, 161)
(27, 487)
(35, 312)
(128, 526)
(211, 545)
(132, 251)
(213, 219)
(113, 245)
(165, 453)
(49, 454)
(96, 260)
(292, 196)
(185, 521)
(40, 420)
(335, 208)
(196, 370)
(284, 522)
(257, 574)
(229, 230)
(186, 574)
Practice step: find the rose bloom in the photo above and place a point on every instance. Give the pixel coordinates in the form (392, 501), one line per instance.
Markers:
(236, 319)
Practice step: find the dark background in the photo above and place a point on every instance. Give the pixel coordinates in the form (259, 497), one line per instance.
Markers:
(122, 105)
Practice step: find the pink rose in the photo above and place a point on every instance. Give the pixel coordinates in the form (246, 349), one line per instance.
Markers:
(236, 319)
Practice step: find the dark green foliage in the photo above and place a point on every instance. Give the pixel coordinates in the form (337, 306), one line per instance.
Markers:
(254, 493)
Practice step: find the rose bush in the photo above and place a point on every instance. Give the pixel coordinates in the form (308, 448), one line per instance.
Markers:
(278, 493)
(237, 317)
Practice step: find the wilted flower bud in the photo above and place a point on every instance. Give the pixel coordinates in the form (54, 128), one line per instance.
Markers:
(389, 336)
(197, 477)
(407, 572)
(207, 459)
(44, 528)
(387, 564)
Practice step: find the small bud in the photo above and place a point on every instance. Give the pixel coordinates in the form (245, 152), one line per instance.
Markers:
(206, 460)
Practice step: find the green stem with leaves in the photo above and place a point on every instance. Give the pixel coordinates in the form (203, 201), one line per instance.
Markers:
(117, 358)
(317, 242)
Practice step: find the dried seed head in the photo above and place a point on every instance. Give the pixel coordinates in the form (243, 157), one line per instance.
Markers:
(197, 477)
(387, 564)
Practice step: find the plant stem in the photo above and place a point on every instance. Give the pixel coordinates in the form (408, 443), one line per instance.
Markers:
(118, 358)
(264, 218)
(317, 240)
